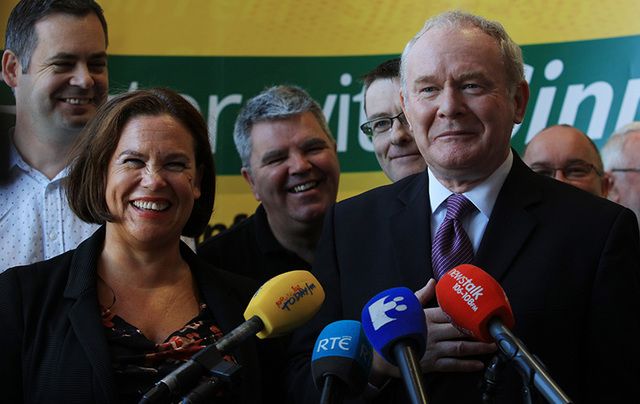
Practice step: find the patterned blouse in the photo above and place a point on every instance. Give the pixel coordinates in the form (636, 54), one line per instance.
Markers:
(139, 363)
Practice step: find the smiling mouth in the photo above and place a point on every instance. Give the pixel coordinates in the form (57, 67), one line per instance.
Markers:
(456, 134)
(77, 101)
(408, 155)
(303, 187)
(153, 206)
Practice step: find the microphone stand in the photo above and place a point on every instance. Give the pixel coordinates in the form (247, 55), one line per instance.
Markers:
(489, 384)
(332, 391)
(409, 366)
(527, 365)
(207, 361)
(223, 374)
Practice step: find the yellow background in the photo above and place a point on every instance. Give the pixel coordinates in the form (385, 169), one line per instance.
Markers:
(336, 27)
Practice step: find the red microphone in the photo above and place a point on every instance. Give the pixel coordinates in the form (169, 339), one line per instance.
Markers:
(471, 297)
(478, 306)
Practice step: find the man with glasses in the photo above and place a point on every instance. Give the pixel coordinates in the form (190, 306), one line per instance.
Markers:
(387, 128)
(621, 157)
(568, 155)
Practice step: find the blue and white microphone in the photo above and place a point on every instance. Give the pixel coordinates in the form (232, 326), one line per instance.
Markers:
(395, 324)
(341, 361)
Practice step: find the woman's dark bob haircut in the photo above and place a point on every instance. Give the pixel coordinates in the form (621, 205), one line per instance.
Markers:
(89, 161)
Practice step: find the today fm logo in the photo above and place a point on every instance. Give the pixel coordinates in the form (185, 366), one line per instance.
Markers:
(297, 292)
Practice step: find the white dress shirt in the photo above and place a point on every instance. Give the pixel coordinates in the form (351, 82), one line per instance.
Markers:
(36, 222)
(483, 196)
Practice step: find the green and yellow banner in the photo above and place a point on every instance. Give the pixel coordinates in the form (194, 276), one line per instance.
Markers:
(582, 62)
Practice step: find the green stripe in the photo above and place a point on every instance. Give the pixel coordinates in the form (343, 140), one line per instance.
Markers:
(612, 64)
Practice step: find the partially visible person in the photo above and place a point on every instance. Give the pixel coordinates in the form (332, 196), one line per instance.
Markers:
(55, 62)
(289, 160)
(387, 127)
(104, 322)
(621, 156)
(568, 155)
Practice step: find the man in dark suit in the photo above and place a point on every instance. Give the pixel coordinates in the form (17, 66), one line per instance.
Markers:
(567, 260)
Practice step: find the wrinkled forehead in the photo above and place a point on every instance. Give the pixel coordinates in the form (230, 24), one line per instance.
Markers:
(459, 54)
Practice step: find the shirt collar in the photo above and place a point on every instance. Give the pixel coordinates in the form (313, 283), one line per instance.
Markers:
(16, 160)
(483, 195)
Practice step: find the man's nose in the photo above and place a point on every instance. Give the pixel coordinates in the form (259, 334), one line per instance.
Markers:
(82, 77)
(400, 133)
(299, 163)
(451, 103)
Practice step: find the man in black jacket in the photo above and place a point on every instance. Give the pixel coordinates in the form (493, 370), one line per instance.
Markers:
(290, 162)
(568, 261)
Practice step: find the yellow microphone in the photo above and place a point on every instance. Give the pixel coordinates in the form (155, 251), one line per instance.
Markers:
(285, 302)
(280, 305)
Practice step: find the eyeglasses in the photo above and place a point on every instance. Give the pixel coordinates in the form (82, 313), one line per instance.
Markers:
(626, 170)
(574, 171)
(379, 126)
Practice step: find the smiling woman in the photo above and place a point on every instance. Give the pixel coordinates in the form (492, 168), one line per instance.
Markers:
(132, 302)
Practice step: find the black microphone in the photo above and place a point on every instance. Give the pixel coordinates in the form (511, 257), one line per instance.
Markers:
(395, 324)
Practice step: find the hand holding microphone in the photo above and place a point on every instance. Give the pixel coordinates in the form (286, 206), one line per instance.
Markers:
(448, 349)
(280, 305)
(477, 304)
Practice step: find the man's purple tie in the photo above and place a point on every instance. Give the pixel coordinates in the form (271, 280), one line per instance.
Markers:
(451, 245)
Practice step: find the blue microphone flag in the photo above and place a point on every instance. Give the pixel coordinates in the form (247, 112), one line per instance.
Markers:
(391, 316)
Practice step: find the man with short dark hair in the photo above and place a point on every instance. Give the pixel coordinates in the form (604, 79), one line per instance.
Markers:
(568, 155)
(289, 160)
(55, 62)
(387, 128)
(568, 261)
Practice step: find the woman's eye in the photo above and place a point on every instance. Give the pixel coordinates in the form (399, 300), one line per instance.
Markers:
(176, 166)
(131, 162)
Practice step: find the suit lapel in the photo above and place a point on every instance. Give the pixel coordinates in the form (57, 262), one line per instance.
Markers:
(410, 233)
(84, 315)
(510, 223)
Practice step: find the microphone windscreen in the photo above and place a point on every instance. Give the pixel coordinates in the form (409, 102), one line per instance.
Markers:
(471, 297)
(392, 316)
(342, 350)
(285, 302)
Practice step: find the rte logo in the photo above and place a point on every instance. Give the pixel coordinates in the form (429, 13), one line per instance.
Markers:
(342, 343)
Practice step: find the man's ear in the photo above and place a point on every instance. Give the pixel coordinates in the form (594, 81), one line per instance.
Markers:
(404, 110)
(246, 174)
(520, 99)
(613, 194)
(606, 184)
(11, 68)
